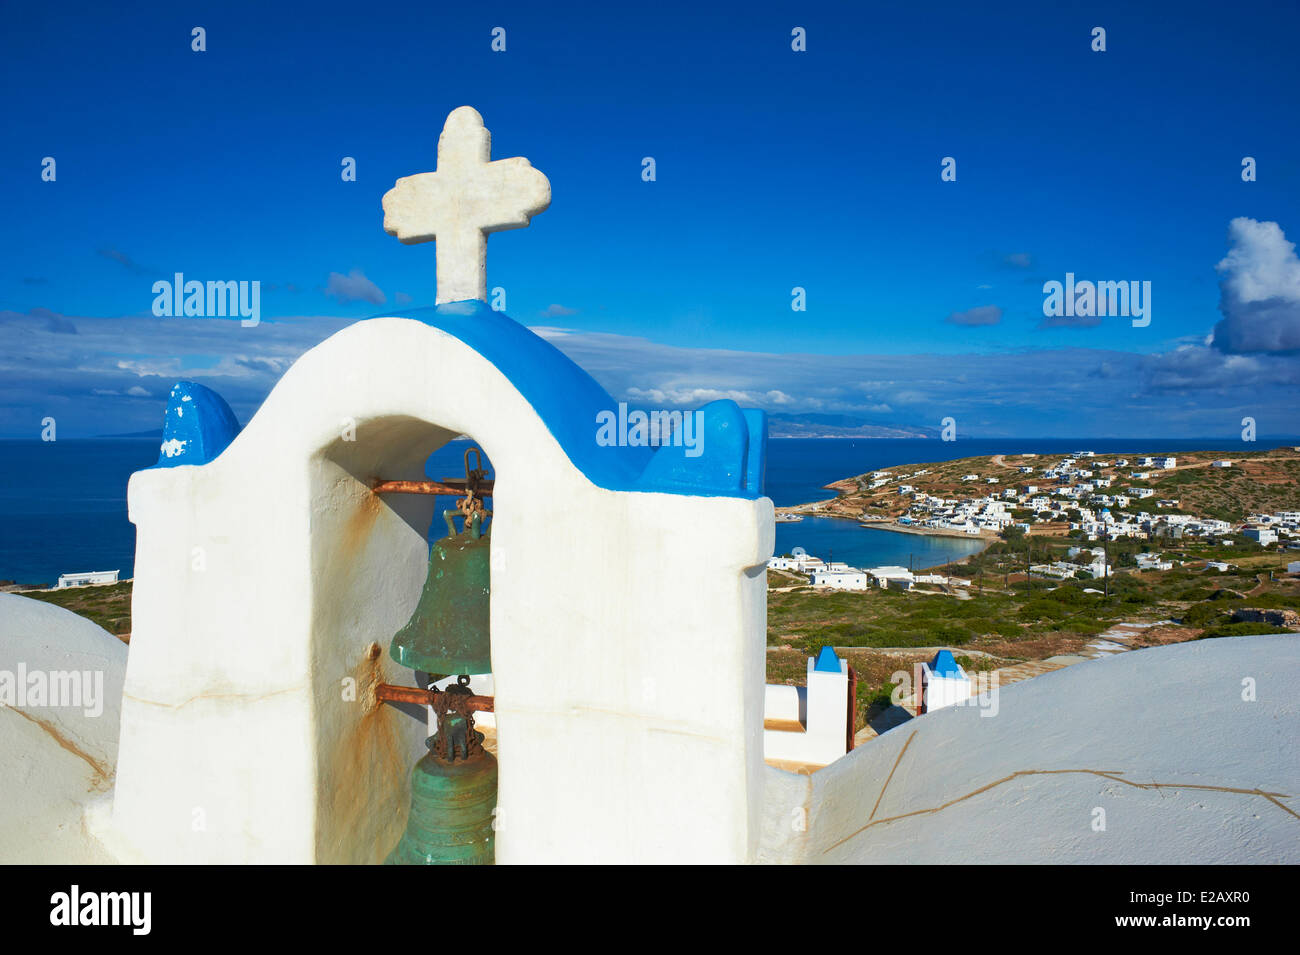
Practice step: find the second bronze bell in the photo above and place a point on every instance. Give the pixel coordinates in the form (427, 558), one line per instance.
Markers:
(448, 631)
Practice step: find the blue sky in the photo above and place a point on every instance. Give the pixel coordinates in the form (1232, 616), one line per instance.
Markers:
(775, 169)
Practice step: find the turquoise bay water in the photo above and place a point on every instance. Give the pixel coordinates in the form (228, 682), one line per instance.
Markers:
(63, 503)
(836, 539)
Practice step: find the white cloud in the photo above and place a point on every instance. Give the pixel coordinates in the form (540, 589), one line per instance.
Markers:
(693, 397)
(983, 315)
(1191, 368)
(354, 287)
(87, 383)
(85, 379)
(1259, 291)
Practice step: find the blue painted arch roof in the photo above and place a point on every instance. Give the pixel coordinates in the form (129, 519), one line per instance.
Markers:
(732, 442)
(719, 452)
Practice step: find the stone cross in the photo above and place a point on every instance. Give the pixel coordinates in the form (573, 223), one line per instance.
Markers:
(465, 199)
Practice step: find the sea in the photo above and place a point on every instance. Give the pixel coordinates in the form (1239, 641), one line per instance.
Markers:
(63, 503)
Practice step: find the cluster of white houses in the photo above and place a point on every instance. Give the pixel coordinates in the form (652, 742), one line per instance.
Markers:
(1082, 497)
(1096, 566)
(840, 576)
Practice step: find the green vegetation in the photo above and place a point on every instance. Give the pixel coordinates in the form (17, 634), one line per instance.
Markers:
(1242, 629)
(978, 664)
(877, 697)
(109, 606)
(1013, 617)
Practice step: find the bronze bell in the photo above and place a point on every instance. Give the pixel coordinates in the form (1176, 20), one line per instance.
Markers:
(448, 632)
(453, 792)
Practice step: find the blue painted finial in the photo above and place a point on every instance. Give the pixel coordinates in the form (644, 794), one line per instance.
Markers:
(197, 426)
(718, 462)
(827, 661)
(944, 665)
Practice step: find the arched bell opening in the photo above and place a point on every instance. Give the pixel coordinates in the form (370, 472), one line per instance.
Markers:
(374, 523)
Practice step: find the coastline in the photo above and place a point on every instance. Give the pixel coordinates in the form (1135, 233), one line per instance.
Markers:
(811, 510)
(984, 539)
(1200, 483)
(987, 536)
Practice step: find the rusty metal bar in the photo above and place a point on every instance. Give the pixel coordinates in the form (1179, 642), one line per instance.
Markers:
(450, 488)
(388, 693)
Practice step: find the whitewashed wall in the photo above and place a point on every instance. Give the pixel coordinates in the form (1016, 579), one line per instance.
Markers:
(233, 710)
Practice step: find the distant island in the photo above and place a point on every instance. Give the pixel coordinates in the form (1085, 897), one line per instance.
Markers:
(839, 426)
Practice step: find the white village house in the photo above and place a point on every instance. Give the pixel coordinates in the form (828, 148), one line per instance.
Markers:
(90, 578)
(1260, 535)
(840, 577)
(798, 560)
(892, 577)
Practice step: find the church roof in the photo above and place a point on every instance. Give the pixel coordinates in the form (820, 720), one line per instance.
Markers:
(1106, 732)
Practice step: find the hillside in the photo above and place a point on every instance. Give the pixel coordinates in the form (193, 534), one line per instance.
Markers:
(1257, 482)
(108, 606)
